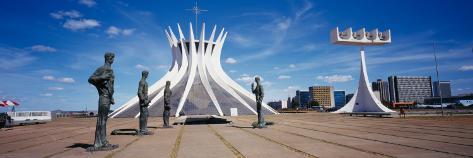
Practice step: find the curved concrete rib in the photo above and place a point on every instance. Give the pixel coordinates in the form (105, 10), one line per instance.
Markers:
(204, 62)
(228, 80)
(202, 71)
(211, 68)
(192, 69)
(177, 78)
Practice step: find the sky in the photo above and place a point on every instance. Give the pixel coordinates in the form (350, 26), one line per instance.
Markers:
(49, 48)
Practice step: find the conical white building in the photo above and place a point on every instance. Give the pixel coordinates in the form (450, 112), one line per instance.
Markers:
(198, 83)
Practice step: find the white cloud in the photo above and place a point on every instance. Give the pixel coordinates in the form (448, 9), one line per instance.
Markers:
(163, 67)
(46, 94)
(12, 58)
(232, 71)
(292, 66)
(466, 68)
(247, 79)
(55, 88)
(141, 67)
(62, 14)
(113, 31)
(282, 77)
(88, 3)
(291, 88)
(267, 83)
(49, 78)
(42, 48)
(230, 61)
(335, 78)
(127, 32)
(276, 68)
(66, 80)
(81, 24)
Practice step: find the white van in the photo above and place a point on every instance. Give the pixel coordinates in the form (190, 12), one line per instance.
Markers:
(29, 117)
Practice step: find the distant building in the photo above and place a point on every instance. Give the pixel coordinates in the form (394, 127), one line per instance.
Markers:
(281, 104)
(303, 98)
(339, 97)
(447, 100)
(348, 97)
(323, 95)
(442, 89)
(377, 94)
(383, 88)
(410, 88)
(466, 102)
(289, 102)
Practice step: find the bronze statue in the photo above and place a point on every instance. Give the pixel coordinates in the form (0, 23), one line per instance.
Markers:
(103, 79)
(258, 91)
(167, 102)
(144, 102)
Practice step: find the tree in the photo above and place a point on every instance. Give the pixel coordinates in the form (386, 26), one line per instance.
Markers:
(314, 103)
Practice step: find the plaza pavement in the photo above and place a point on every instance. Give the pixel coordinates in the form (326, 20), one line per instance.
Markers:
(293, 135)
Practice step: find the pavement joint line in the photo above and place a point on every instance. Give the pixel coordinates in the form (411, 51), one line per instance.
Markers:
(227, 143)
(401, 123)
(46, 131)
(47, 134)
(421, 127)
(416, 147)
(63, 151)
(126, 146)
(391, 129)
(177, 143)
(382, 133)
(329, 142)
(281, 144)
(121, 149)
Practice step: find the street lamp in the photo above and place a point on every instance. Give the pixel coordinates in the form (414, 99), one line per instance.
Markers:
(438, 80)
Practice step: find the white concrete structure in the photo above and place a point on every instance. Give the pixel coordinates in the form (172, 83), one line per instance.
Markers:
(364, 99)
(198, 83)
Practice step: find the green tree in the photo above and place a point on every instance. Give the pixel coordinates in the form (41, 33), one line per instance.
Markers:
(313, 103)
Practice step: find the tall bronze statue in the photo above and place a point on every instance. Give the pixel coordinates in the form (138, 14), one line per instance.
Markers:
(167, 102)
(144, 102)
(259, 93)
(103, 79)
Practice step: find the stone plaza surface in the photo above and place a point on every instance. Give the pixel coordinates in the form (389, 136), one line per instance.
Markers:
(293, 135)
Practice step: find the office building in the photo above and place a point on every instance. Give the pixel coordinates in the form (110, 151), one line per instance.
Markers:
(348, 97)
(277, 105)
(410, 88)
(323, 95)
(383, 88)
(339, 96)
(302, 97)
(443, 89)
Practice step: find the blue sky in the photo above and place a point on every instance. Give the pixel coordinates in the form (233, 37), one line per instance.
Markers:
(48, 49)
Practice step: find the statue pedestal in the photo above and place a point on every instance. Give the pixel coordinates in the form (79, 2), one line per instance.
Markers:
(107, 147)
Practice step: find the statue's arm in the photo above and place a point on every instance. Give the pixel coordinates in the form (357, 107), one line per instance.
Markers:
(140, 91)
(262, 92)
(101, 75)
(111, 84)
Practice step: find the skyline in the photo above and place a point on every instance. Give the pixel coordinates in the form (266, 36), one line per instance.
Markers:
(48, 52)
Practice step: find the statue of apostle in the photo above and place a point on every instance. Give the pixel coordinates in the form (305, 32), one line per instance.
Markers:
(103, 79)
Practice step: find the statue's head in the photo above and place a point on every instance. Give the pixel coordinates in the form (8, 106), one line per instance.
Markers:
(144, 74)
(109, 57)
(257, 79)
(168, 83)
